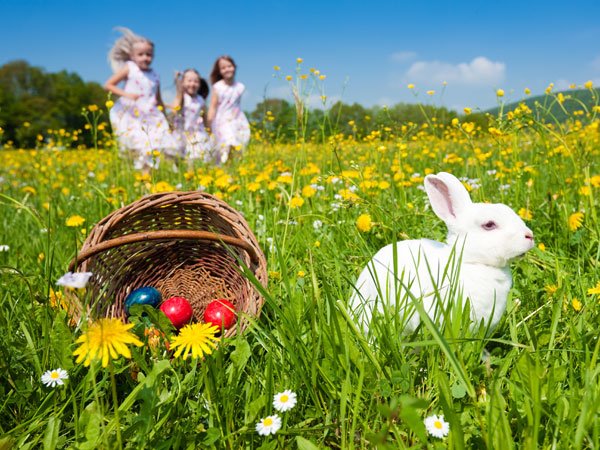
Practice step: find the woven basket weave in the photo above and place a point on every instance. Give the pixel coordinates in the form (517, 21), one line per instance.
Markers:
(187, 244)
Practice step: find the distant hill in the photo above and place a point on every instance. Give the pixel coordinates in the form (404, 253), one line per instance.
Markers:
(548, 105)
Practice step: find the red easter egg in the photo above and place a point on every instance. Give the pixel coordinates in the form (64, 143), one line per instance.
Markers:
(178, 310)
(221, 313)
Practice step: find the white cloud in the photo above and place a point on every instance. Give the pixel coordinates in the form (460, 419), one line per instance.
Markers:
(479, 72)
(403, 56)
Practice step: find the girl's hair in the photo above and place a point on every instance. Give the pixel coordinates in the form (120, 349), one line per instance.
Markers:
(121, 50)
(215, 75)
(203, 90)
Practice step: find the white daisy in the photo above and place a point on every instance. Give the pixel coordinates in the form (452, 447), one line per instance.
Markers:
(4, 248)
(436, 426)
(53, 378)
(284, 401)
(76, 280)
(269, 425)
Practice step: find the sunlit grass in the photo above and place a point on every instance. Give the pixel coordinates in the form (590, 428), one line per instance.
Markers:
(320, 210)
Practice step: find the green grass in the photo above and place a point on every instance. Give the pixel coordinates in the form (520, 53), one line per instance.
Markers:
(539, 388)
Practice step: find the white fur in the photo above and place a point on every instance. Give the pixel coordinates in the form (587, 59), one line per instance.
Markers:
(426, 268)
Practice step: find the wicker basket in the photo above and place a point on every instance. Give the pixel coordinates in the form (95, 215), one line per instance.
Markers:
(187, 244)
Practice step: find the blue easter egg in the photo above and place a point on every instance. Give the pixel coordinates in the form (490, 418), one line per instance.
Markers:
(142, 296)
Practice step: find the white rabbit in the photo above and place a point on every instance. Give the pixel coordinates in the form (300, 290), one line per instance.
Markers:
(482, 241)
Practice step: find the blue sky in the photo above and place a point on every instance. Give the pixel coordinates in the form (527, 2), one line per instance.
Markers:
(369, 50)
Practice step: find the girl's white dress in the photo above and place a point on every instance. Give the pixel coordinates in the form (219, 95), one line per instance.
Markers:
(230, 126)
(139, 125)
(192, 140)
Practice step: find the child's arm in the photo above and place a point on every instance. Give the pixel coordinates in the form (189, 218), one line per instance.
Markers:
(212, 109)
(111, 84)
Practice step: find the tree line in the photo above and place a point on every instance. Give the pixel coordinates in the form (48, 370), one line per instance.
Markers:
(33, 102)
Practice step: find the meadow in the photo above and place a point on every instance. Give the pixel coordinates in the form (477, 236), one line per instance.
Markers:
(320, 208)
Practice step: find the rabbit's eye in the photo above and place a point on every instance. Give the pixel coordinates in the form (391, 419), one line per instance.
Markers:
(489, 225)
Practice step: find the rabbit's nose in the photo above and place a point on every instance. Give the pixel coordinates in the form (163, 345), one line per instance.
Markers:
(529, 235)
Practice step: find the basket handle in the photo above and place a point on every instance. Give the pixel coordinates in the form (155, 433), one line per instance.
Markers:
(162, 235)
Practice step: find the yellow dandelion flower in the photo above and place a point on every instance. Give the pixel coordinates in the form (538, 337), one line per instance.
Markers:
(595, 290)
(585, 190)
(348, 195)
(467, 110)
(525, 214)
(469, 127)
(299, 60)
(109, 104)
(577, 305)
(575, 221)
(500, 93)
(308, 191)
(455, 122)
(75, 221)
(253, 186)
(411, 86)
(93, 108)
(162, 186)
(296, 202)
(276, 68)
(527, 91)
(588, 84)
(551, 289)
(542, 247)
(197, 338)
(105, 339)
(301, 274)
(364, 223)
(57, 300)
(430, 92)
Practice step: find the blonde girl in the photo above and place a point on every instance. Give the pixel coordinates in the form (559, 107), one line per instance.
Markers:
(225, 116)
(189, 116)
(137, 116)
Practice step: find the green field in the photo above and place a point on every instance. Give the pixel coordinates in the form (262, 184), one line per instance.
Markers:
(540, 387)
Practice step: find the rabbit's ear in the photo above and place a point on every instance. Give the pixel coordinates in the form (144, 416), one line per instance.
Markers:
(447, 195)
